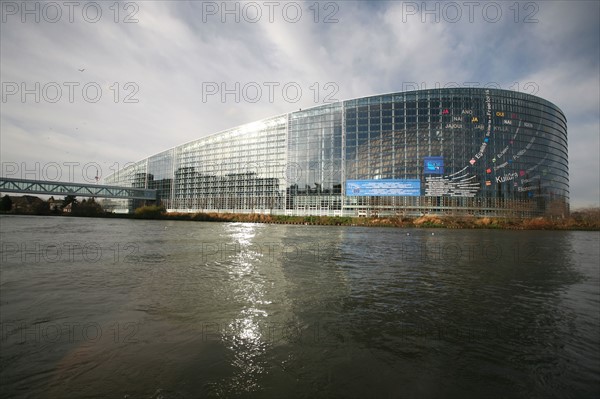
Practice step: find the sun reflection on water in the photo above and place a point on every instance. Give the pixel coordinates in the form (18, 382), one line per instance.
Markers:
(244, 337)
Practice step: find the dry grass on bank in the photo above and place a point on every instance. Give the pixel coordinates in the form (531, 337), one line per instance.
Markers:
(586, 219)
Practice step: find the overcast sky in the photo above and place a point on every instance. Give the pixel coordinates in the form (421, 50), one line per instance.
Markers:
(118, 82)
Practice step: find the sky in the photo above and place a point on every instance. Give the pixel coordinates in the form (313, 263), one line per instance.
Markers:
(88, 87)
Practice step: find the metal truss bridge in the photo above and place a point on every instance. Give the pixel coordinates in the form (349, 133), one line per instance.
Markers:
(10, 185)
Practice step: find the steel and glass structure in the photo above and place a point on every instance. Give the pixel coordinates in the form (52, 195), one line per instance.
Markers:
(10, 185)
(458, 151)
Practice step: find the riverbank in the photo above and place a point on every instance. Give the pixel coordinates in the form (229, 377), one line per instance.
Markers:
(587, 220)
(420, 222)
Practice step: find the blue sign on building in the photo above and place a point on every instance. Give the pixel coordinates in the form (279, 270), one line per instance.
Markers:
(434, 165)
(383, 188)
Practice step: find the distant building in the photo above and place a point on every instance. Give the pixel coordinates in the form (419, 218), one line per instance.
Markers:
(28, 204)
(459, 151)
(55, 205)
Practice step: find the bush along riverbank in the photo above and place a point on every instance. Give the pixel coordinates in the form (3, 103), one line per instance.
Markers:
(582, 220)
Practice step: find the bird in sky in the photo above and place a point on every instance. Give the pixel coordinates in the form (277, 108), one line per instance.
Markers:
(81, 70)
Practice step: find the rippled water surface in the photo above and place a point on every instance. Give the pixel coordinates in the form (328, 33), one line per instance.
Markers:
(104, 308)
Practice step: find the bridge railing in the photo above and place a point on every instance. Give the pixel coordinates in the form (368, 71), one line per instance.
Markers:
(11, 185)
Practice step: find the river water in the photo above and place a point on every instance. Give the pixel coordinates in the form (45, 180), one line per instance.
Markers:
(103, 308)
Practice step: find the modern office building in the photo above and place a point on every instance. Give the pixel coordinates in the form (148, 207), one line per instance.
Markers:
(459, 151)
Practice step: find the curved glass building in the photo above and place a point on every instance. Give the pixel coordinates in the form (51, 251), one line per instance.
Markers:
(459, 151)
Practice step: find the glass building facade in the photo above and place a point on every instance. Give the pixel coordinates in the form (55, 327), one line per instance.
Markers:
(459, 151)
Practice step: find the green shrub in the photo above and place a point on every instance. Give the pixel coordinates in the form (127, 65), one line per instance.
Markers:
(149, 212)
